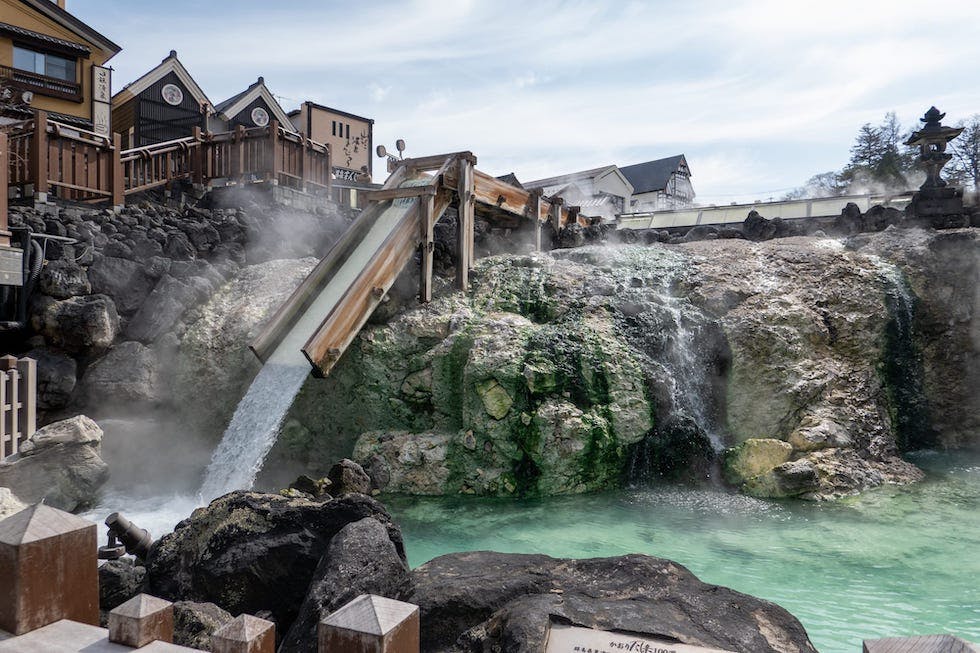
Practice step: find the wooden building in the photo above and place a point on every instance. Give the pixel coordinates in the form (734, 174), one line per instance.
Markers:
(350, 137)
(162, 105)
(660, 185)
(256, 106)
(52, 61)
(603, 192)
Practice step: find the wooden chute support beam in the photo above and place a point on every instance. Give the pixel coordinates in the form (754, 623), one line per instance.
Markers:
(427, 207)
(535, 206)
(465, 226)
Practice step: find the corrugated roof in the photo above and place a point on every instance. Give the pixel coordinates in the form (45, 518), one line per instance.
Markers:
(16, 30)
(574, 176)
(652, 175)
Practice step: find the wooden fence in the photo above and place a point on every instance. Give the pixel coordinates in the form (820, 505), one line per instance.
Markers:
(18, 403)
(45, 156)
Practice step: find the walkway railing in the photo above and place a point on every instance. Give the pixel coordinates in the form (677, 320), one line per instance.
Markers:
(18, 403)
(44, 156)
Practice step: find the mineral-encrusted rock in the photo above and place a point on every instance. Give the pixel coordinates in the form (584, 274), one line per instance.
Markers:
(9, 503)
(361, 559)
(129, 373)
(62, 279)
(755, 456)
(119, 581)
(247, 551)
(194, 623)
(60, 465)
(505, 602)
(85, 324)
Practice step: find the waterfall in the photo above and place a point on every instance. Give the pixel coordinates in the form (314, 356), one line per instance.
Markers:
(901, 365)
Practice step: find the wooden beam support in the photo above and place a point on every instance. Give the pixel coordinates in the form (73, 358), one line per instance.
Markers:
(39, 156)
(427, 219)
(398, 193)
(437, 160)
(537, 223)
(465, 227)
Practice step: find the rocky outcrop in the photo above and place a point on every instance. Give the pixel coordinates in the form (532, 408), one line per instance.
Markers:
(248, 552)
(9, 503)
(127, 374)
(494, 601)
(119, 581)
(60, 465)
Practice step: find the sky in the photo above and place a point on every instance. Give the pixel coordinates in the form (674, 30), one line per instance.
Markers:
(758, 94)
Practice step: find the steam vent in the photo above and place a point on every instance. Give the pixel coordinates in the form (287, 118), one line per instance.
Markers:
(286, 368)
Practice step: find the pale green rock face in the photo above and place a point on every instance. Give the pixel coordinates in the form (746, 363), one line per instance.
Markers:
(754, 457)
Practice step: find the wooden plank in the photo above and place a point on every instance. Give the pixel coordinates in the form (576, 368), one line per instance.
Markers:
(921, 644)
(398, 193)
(464, 227)
(436, 160)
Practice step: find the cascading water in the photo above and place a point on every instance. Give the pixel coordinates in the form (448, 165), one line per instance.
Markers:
(901, 366)
(682, 347)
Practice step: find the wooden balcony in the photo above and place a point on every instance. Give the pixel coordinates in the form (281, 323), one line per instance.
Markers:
(42, 84)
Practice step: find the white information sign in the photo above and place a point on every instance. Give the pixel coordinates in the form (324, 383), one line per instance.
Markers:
(101, 118)
(101, 86)
(101, 98)
(573, 639)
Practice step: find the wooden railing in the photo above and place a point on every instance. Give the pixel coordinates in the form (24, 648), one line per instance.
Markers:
(50, 86)
(75, 164)
(18, 403)
(84, 166)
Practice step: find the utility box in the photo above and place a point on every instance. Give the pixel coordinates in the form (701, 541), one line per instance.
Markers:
(48, 569)
(11, 266)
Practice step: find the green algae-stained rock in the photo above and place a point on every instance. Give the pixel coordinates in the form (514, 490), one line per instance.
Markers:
(495, 399)
(754, 457)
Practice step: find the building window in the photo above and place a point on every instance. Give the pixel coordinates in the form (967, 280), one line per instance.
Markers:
(347, 126)
(43, 63)
(334, 127)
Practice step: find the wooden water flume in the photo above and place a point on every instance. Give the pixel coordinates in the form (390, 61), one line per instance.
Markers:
(417, 194)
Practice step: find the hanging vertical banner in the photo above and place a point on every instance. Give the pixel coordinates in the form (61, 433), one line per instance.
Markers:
(102, 100)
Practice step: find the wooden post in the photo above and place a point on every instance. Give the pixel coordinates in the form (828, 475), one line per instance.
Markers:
(5, 435)
(4, 185)
(141, 620)
(118, 181)
(371, 624)
(304, 161)
(47, 569)
(277, 151)
(238, 153)
(426, 210)
(536, 201)
(28, 396)
(197, 158)
(245, 634)
(464, 230)
(11, 417)
(39, 156)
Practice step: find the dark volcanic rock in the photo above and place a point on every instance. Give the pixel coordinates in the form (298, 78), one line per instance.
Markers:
(119, 581)
(487, 601)
(248, 551)
(63, 279)
(128, 373)
(56, 377)
(347, 476)
(126, 281)
(194, 623)
(79, 325)
(361, 559)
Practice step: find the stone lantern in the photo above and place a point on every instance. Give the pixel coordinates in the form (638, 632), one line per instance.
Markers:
(934, 198)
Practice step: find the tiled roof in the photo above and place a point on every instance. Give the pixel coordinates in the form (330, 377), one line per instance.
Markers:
(15, 30)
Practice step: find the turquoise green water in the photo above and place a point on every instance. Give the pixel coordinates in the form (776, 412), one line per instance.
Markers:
(894, 561)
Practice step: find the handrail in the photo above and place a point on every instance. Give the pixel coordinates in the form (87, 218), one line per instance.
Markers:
(84, 135)
(158, 148)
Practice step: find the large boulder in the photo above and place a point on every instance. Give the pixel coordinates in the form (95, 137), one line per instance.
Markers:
(361, 559)
(62, 279)
(127, 282)
(129, 373)
(248, 552)
(60, 465)
(9, 503)
(82, 325)
(57, 375)
(119, 581)
(507, 602)
(165, 307)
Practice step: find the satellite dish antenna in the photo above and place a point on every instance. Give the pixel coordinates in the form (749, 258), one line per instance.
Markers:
(27, 96)
(381, 151)
(400, 145)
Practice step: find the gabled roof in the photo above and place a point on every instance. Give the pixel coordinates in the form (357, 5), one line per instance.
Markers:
(510, 178)
(652, 175)
(169, 65)
(234, 105)
(72, 24)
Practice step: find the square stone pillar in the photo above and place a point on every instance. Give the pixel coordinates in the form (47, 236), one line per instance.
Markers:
(371, 624)
(141, 620)
(245, 634)
(48, 569)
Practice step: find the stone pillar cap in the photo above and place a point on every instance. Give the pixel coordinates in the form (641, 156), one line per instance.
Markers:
(370, 614)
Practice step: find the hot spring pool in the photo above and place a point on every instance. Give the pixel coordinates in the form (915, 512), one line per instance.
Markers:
(894, 561)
